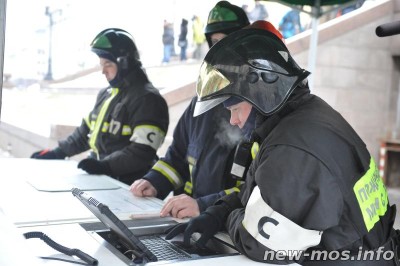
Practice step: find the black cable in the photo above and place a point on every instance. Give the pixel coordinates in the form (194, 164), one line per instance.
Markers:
(71, 252)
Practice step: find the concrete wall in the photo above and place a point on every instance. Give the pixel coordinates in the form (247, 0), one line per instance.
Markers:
(356, 72)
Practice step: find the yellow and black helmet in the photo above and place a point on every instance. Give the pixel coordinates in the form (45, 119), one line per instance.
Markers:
(251, 64)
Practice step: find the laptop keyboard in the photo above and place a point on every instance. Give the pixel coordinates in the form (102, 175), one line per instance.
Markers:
(162, 249)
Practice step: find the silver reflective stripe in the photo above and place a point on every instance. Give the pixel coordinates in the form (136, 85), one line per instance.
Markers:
(274, 230)
(169, 172)
(148, 135)
(237, 170)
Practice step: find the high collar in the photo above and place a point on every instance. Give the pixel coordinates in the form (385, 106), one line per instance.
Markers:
(265, 124)
(135, 76)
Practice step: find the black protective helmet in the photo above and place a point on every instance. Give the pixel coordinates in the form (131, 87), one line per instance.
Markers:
(225, 18)
(116, 45)
(251, 64)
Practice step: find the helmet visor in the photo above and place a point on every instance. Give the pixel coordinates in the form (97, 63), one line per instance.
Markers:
(210, 81)
(102, 42)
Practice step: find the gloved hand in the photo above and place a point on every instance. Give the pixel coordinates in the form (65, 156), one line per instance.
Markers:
(95, 167)
(207, 223)
(48, 154)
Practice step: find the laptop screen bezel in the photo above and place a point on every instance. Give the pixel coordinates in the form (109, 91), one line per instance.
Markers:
(109, 219)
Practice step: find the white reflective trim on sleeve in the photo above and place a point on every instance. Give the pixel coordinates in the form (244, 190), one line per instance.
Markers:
(169, 172)
(274, 230)
(148, 135)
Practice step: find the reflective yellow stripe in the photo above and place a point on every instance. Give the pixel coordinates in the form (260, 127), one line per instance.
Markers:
(254, 149)
(188, 188)
(231, 190)
(87, 121)
(126, 130)
(371, 195)
(105, 127)
(189, 185)
(169, 172)
(239, 183)
(191, 160)
(99, 120)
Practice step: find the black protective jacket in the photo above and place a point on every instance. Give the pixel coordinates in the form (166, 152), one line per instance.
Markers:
(125, 128)
(312, 186)
(199, 160)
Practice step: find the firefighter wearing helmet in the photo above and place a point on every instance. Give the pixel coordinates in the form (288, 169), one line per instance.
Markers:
(224, 19)
(197, 165)
(305, 190)
(129, 120)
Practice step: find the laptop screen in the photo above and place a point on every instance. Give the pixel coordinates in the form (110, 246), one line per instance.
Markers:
(107, 217)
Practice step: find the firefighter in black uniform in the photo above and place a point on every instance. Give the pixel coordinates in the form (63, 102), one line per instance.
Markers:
(129, 120)
(313, 186)
(198, 163)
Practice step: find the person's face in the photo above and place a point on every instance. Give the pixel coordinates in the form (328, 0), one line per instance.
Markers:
(239, 113)
(216, 37)
(108, 68)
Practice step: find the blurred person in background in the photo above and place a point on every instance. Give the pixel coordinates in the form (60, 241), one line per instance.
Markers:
(259, 12)
(182, 41)
(290, 24)
(129, 120)
(198, 36)
(168, 40)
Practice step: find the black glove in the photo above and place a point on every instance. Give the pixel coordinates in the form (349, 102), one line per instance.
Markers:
(208, 223)
(48, 154)
(95, 167)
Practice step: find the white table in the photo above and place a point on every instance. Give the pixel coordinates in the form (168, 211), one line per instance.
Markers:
(36, 196)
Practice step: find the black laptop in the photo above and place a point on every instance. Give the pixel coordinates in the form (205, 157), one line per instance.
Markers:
(146, 248)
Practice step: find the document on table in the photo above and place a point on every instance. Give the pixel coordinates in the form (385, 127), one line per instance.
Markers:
(28, 199)
(54, 175)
